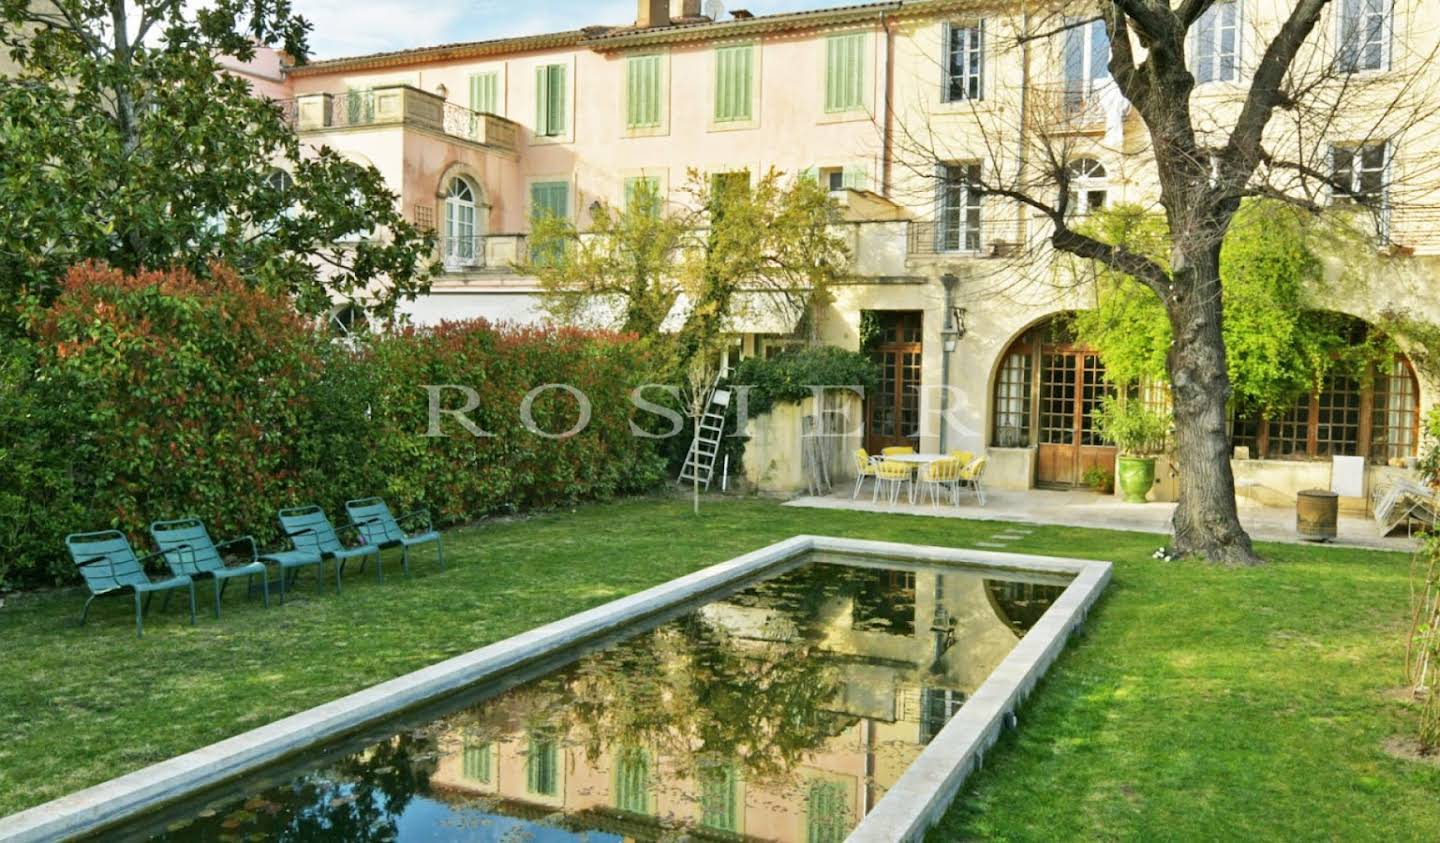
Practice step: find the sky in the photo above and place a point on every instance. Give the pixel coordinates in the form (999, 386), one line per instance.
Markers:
(355, 27)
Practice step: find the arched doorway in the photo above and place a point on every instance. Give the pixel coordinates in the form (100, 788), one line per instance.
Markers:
(1046, 393)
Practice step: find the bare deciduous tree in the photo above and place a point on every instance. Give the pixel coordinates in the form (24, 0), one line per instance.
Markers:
(1295, 119)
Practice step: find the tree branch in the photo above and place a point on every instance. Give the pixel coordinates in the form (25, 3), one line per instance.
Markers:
(1242, 151)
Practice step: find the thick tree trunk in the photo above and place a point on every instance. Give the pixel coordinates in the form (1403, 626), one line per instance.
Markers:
(1206, 522)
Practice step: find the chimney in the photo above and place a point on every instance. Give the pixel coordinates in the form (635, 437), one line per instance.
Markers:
(653, 13)
(684, 9)
(741, 14)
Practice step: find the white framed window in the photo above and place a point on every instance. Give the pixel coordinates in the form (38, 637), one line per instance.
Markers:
(1085, 60)
(1088, 188)
(963, 66)
(958, 208)
(461, 230)
(1363, 35)
(1215, 43)
(1361, 171)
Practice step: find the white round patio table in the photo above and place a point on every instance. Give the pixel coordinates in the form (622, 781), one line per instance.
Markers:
(915, 461)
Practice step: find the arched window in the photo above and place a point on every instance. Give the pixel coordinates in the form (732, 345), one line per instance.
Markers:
(1088, 186)
(283, 183)
(348, 321)
(460, 228)
(1376, 416)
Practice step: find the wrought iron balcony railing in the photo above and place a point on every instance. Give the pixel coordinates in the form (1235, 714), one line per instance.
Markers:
(463, 253)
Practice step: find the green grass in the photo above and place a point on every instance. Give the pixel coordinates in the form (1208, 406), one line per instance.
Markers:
(1202, 703)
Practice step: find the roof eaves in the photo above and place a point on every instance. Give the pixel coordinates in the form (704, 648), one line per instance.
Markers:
(708, 30)
(441, 52)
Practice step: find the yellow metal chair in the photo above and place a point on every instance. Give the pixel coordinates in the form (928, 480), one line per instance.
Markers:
(893, 475)
(973, 476)
(864, 467)
(963, 457)
(939, 476)
(897, 450)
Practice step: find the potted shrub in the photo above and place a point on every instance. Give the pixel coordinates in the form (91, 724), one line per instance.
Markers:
(1140, 433)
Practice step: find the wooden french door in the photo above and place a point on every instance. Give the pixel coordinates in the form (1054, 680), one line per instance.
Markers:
(1072, 386)
(893, 410)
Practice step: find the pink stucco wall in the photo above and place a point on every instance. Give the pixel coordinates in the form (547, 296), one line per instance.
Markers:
(792, 132)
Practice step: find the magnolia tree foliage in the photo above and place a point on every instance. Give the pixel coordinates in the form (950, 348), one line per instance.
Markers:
(125, 142)
(722, 237)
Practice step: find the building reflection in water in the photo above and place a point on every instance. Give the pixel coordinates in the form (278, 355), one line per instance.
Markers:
(783, 713)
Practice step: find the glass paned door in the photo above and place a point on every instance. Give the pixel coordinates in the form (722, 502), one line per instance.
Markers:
(894, 408)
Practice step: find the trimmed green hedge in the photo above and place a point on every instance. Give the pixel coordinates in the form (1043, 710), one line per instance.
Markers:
(153, 396)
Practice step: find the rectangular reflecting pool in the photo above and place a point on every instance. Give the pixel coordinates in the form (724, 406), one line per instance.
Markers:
(781, 708)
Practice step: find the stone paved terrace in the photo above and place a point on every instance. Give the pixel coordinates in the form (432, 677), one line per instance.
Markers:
(1083, 508)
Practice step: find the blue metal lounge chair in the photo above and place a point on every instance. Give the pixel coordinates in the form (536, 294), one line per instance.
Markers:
(110, 566)
(378, 527)
(189, 551)
(310, 530)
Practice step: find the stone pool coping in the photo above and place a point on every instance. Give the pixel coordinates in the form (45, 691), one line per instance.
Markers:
(911, 806)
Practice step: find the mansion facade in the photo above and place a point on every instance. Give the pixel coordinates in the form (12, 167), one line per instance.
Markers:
(892, 106)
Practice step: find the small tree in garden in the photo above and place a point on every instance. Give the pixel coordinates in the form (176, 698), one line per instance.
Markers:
(125, 142)
(723, 236)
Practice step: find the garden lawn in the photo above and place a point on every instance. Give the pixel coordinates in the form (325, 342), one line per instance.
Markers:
(1201, 703)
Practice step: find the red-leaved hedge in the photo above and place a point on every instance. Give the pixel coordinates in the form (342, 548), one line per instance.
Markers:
(156, 395)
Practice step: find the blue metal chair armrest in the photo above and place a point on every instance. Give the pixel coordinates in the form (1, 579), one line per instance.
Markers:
(254, 548)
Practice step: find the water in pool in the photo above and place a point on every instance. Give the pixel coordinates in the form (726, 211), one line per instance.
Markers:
(780, 712)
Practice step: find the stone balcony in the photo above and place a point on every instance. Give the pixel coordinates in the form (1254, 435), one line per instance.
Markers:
(400, 105)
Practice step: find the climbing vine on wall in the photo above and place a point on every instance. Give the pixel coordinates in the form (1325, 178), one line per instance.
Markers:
(1279, 343)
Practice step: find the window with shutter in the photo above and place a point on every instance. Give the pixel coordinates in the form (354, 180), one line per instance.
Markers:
(550, 108)
(548, 198)
(845, 72)
(632, 781)
(485, 92)
(827, 812)
(719, 800)
(643, 189)
(642, 92)
(475, 762)
(964, 62)
(541, 764)
(734, 80)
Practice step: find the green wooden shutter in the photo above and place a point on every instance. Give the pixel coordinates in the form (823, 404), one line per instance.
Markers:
(642, 91)
(633, 185)
(845, 72)
(476, 762)
(827, 810)
(718, 801)
(855, 178)
(485, 92)
(542, 109)
(734, 78)
(550, 197)
(632, 782)
(550, 108)
(557, 99)
(540, 763)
